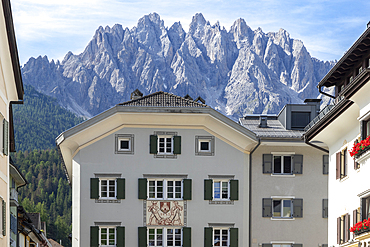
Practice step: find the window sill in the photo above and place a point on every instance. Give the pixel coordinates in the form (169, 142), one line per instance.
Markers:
(272, 218)
(220, 202)
(165, 156)
(107, 200)
(167, 199)
(343, 179)
(283, 175)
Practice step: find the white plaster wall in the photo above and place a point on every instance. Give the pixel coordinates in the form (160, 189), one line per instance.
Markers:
(99, 157)
(343, 192)
(311, 186)
(76, 203)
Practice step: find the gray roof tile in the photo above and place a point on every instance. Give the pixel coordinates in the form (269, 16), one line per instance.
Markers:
(163, 99)
(274, 128)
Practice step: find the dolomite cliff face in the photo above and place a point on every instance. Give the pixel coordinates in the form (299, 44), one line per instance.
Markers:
(237, 72)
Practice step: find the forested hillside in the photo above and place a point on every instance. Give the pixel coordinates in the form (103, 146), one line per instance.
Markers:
(37, 123)
(47, 192)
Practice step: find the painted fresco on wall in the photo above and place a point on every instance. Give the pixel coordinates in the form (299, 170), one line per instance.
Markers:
(165, 213)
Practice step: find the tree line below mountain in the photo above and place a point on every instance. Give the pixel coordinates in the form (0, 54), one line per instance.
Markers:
(36, 125)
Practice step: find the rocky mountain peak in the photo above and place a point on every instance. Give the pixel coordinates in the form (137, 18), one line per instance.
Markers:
(237, 72)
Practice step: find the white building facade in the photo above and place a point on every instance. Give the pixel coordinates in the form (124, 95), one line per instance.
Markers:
(170, 175)
(340, 127)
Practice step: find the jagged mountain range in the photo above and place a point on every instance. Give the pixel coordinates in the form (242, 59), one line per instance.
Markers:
(237, 72)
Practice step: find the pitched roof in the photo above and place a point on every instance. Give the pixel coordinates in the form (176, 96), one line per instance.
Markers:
(274, 128)
(54, 243)
(163, 99)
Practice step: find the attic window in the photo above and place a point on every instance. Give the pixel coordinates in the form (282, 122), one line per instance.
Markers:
(300, 119)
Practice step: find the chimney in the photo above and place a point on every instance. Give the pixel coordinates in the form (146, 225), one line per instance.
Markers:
(200, 99)
(263, 121)
(136, 94)
(188, 97)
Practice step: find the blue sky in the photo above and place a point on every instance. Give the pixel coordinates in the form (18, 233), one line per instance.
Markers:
(54, 27)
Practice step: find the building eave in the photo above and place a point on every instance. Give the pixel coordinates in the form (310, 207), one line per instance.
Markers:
(346, 61)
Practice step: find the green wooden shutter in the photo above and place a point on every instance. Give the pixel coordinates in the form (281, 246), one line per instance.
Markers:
(187, 189)
(297, 245)
(234, 189)
(325, 164)
(325, 208)
(142, 236)
(266, 207)
(266, 245)
(6, 137)
(297, 164)
(208, 236)
(94, 236)
(121, 187)
(4, 217)
(177, 145)
(267, 163)
(234, 237)
(153, 144)
(94, 188)
(208, 184)
(143, 188)
(324, 245)
(186, 237)
(298, 208)
(120, 236)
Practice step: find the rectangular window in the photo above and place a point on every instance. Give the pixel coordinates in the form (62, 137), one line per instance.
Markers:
(359, 70)
(107, 236)
(164, 189)
(124, 144)
(282, 164)
(220, 237)
(164, 237)
(220, 190)
(165, 145)
(365, 208)
(282, 208)
(204, 145)
(108, 188)
(343, 227)
(300, 119)
(341, 164)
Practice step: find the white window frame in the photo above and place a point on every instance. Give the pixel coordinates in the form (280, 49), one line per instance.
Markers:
(220, 228)
(164, 235)
(165, 144)
(211, 145)
(124, 137)
(228, 189)
(282, 208)
(282, 164)
(165, 189)
(100, 235)
(101, 191)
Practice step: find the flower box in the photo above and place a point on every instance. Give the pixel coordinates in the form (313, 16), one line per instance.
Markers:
(360, 148)
(361, 227)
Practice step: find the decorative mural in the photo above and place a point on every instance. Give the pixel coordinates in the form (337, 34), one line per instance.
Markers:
(165, 213)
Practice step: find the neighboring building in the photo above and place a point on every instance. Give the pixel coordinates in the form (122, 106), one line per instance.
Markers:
(16, 180)
(31, 232)
(288, 180)
(340, 126)
(11, 91)
(160, 170)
